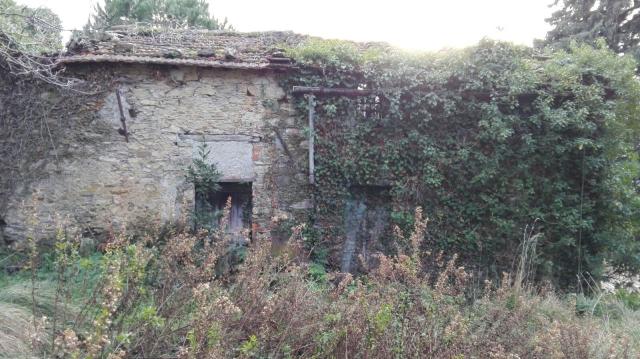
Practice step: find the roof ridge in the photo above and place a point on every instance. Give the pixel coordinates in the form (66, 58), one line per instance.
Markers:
(198, 46)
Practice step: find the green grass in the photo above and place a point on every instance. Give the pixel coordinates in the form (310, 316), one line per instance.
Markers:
(16, 298)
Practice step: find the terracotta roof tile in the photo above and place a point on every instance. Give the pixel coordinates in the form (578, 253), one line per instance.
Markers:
(184, 47)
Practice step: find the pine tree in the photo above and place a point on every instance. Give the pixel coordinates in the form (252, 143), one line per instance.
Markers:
(616, 21)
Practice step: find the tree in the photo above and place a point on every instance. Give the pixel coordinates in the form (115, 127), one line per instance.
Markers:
(36, 30)
(183, 13)
(617, 21)
(205, 178)
(27, 37)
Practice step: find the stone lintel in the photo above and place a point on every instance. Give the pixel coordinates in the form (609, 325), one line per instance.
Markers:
(231, 179)
(218, 138)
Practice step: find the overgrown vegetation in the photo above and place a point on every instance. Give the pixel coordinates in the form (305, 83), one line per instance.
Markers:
(488, 140)
(164, 295)
(175, 13)
(29, 39)
(588, 21)
(29, 30)
(492, 141)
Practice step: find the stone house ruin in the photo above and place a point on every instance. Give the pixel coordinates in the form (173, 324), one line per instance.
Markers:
(484, 139)
(169, 93)
(122, 154)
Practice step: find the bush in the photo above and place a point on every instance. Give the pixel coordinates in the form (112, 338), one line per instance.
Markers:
(166, 300)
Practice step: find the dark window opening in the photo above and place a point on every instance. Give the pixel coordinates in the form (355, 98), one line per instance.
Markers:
(210, 208)
(366, 224)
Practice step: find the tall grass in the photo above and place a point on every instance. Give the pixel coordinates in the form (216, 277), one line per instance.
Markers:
(194, 295)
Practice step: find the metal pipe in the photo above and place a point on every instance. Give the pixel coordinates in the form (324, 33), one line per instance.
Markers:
(311, 92)
(312, 104)
(123, 120)
(330, 91)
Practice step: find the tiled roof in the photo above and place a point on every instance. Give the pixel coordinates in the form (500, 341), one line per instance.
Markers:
(205, 48)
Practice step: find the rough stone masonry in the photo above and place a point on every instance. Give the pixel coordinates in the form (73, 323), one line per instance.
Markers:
(109, 183)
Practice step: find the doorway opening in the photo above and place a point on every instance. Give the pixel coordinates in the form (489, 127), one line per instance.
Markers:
(209, 208)
(366, 219)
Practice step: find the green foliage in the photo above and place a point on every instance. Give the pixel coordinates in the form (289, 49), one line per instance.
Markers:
(189, 13)
(630, 299)
(202, 174)
(158, 297)
(213, 335)
(149, 314)
(402, 219)
(615, 21)
(317, 273)
(340, 54)
(250, 346)
(383, 318)
(487, 140)
(205, 178)
(29, 30)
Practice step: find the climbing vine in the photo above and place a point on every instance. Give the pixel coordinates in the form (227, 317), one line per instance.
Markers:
(487, 140)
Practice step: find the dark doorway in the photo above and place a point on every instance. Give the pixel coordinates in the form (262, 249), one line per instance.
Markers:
(210, 207)
(366, 224)
(2, 225)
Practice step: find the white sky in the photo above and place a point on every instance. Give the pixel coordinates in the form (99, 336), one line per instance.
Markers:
(412, 24)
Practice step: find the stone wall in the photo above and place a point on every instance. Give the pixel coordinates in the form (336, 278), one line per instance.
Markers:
(107, 182)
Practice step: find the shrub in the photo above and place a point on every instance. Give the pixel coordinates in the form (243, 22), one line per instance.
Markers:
(166, 300)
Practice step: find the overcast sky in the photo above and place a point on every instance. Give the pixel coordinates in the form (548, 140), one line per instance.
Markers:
(426, 24)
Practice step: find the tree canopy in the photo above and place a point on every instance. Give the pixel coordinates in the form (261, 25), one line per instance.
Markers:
(33, 30)
(27, 35)
(617, 21)
(183, 13)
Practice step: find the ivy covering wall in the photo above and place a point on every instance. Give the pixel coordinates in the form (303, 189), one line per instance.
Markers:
(488, 140)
